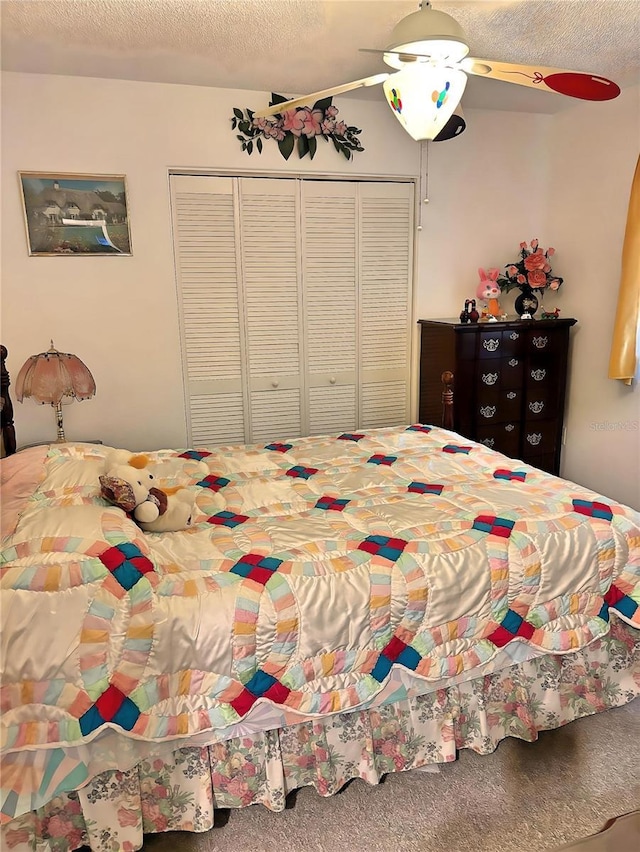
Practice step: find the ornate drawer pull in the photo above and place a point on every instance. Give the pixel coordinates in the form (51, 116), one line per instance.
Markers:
(538, 375)
(514, 362)
(492, 344)
(512, 395)
(509, 427)
(489, 378)
(534, 439)
(488, 410)
(536, 407)
(514, 335)
(540, 342)
(489, 442)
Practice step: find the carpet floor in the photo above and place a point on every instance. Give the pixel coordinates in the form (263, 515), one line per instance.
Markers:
(524, 796)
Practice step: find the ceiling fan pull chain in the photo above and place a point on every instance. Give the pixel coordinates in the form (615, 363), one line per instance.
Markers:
(423, 182)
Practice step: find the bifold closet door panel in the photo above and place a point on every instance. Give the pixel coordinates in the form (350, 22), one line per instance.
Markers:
(271, 284)
(206, 252)
(385, 274)
(330, 301)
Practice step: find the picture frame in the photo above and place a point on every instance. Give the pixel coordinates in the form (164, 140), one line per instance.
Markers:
(75, 215)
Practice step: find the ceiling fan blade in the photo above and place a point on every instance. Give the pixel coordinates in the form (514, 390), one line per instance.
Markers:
(316, 96)
(575, 84)
(402, 55)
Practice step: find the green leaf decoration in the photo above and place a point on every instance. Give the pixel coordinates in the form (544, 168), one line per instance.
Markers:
(252, 134)
(303, 146)
(323, 104)
(286, 145)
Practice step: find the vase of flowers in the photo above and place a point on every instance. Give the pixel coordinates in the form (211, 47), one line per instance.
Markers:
(532, 275)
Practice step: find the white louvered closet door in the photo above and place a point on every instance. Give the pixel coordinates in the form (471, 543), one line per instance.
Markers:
(295, 303)
(208, 294)
(270, 250)
(385, 274)
(329, 275)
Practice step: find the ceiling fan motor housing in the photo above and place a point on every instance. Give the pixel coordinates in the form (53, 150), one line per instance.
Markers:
(428, 32)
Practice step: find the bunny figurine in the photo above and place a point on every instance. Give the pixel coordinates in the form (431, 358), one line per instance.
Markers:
(488, 290)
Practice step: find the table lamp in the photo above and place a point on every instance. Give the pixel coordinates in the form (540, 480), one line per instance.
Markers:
(53, 378)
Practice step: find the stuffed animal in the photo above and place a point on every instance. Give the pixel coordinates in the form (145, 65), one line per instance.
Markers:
(488, 290)
(129, 485)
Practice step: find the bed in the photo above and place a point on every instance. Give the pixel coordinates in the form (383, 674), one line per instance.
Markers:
(341, 607)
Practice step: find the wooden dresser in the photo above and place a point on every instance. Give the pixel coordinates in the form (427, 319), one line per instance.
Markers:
(509, 383)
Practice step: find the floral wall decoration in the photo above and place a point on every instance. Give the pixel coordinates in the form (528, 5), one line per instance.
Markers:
(298, 128)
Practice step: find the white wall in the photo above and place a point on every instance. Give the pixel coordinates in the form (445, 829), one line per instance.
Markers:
(488, 190)
(593, 159)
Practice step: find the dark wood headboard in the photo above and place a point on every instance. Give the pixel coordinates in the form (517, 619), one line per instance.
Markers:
(6, 421)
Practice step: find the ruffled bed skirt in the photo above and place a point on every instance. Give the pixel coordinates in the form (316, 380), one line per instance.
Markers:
(116, 808)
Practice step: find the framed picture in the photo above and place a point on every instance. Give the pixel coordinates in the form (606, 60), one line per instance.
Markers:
(80, 215)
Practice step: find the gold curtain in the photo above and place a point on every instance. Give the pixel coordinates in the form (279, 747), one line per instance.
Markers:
(622, 361)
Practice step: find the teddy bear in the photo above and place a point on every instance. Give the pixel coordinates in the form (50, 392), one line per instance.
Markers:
(129, 485)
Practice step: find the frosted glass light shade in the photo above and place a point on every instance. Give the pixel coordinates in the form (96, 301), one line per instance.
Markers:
(423, 97)
(53, 377)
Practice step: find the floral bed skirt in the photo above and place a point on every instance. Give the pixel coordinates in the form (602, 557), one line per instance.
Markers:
(114, 810)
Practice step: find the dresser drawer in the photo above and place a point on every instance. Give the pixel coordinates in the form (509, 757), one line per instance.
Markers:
(505, 373)
(489, 345)
(543, 341)
(539, 372)
(497, 405)
(538, 438)
(541, 402)
(503, 437)
(513, 343)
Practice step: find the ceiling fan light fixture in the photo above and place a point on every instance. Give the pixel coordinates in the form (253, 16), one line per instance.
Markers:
(424, 97)
(427, 32)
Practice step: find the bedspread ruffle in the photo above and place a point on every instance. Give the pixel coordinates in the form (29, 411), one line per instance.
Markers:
(181, 793)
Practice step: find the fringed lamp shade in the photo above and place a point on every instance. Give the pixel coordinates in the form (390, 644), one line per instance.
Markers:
(53, 378)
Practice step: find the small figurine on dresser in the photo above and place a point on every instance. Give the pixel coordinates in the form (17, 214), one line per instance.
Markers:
(488, 291)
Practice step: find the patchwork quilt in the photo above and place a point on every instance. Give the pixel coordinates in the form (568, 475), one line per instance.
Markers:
(312, 570)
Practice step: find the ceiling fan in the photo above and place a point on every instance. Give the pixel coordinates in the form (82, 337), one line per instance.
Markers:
(429, 51)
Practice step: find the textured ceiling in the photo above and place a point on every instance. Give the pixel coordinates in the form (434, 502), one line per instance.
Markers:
(299, 46)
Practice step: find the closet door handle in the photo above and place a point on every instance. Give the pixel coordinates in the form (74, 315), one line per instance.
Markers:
(275, 383)
(332, 380)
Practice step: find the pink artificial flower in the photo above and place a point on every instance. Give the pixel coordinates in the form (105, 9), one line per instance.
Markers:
(534, 244)
(555, 284)
(551, 252)
(512, 270)
(546, 268)
(521, 279)
(534, 261)
(523, 245)
(332, 111)
(537, 278)
(293, 122)
(311, 120)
